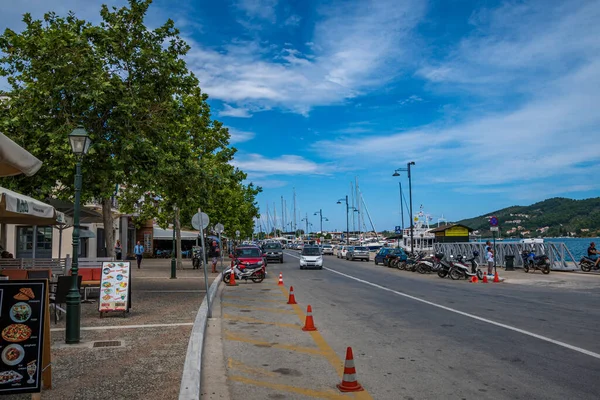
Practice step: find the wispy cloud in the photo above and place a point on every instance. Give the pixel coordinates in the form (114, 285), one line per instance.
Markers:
(261, 9)
(292, 20)
(238, 136)
(410, 100)
(229, 111)
(284, 165)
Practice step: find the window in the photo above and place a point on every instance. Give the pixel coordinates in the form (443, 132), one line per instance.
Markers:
(27, 238)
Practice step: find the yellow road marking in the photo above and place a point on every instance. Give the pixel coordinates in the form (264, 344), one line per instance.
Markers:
(241, 298)
(260, 321)
(273, 310)
(240, 366)
(326, 350)
(308, 350)
(328, 394)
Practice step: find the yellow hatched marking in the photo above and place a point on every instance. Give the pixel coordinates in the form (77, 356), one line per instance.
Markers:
(325, 394)
(273, 310)
(308, 350)
(240, 366)
(260, 321)
(240, 298)
(327, 351)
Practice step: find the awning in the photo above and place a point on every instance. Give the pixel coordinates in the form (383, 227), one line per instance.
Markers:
(167, 234)
(86, 216)
(17, 208)
(86, 233)
(15, 160)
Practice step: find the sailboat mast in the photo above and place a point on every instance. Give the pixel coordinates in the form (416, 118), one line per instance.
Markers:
(369, 215)
(295, 226)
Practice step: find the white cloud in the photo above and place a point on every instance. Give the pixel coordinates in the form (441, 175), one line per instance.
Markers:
(410, 100)
(261, 9)
(238, 136)
(229, 111)
(258, 166)
(292, 20)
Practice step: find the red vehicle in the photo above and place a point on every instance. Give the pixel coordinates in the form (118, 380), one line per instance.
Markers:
(249, 263)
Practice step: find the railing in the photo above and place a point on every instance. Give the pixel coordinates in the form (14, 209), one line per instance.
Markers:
(561, 258)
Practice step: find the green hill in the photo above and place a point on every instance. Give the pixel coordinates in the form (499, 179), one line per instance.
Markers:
(554, 217)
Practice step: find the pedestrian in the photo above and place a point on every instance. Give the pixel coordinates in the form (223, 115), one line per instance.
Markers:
(487, 246)
(490, 260)
(214, 252)
(593, 253)
(138, 250)
(118, 250)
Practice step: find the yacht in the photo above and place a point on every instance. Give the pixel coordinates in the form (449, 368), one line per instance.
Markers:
(423, 238)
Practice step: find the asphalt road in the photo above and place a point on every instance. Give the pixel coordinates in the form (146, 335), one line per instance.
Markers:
(421, 337)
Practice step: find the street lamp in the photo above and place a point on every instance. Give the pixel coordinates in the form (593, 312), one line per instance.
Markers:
(407, 169)
(321, 218)
(80, 144)
(173, 262)
(347, 223)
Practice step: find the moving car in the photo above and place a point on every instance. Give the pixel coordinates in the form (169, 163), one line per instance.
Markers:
(311, 257)
(358, 253)
(327, 249)
(273, 251)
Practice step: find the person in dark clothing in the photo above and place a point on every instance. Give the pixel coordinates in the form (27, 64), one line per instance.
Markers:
(592, 253)
(214, 253)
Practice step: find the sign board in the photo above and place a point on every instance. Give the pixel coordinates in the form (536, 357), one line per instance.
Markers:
(237, 233)
(494, 229)
(457, 231)
(398, 229)
(115, 289)
(23, 315)
(147, 243)
(219, 228)
(200, 216)
(493, 221)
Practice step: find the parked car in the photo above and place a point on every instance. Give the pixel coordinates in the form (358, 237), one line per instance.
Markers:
(327, 249)
(249, 256)
(311, 257)
(338, 251)
(382, 255)
(358, 253)
(273, 251)
(344, 251)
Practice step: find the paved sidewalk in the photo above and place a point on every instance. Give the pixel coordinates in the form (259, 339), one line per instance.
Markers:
(153, 340)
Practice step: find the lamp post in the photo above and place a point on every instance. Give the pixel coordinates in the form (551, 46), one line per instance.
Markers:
(347, 222)
(173, 262)
(80, 144)
(407, 169)
(321, 218)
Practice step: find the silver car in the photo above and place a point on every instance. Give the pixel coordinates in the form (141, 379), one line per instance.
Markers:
(358, 253)
(327, 249)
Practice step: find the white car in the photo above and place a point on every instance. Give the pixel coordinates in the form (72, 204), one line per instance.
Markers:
(341, 253)
(311, 257)
(327, 249)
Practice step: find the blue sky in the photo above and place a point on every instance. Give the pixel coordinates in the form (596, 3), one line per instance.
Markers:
(495, 101)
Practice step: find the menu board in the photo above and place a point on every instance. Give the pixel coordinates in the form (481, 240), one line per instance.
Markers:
(115, 286)
(22, 313)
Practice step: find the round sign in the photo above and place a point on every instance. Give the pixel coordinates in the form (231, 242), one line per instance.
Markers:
(416, 219)
(493, 221)
(219, 228)
(237, 233)
(200, 217)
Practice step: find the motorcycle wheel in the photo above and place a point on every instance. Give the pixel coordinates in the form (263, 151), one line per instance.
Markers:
(442, 273)
(401, 265)
(257, 277)
(526, 267)
(480, 274)
(421, 268)
(545, 269)
(455, 274)
(585, 267)
(226, 277)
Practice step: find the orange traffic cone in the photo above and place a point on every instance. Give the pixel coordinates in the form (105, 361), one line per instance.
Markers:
(349, 382)
(474, 279)
(496, 278)
(485, 279)
(232, 281)
(280, 279)
(309, 324)
(292, 298)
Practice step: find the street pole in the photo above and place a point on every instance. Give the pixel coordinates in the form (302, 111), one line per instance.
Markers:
(173, 262)
(73, 323)
(401, 205)
(494, 237)
(412, 242)
(347, 222)
(209, 315)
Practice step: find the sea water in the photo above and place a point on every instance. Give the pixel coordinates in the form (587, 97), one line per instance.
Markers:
(577, 246)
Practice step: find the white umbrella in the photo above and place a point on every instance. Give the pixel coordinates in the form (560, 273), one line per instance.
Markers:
(15, 160)
(16, 208)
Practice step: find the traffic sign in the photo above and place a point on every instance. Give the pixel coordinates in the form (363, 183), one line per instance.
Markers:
(398, 229)
(200, 217)
(219, 228)
(237, 233)
(494, 229)
(493, 221)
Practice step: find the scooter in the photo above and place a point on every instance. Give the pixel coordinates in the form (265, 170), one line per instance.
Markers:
(256, 273)
(533, 262)
(197, 259)
(587, 264)
(443, 266)
(461, 270)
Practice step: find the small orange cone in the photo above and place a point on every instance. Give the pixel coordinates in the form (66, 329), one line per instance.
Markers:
(309, 324)
(474, 279)
(496, 278)
(232, 281)
(292, 298)
(280, 279)
(349, 382)
(485, 279)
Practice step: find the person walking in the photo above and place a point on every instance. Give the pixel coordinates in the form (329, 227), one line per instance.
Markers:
(489, 256)
(118, 250)
(214, 253)
(138, 250)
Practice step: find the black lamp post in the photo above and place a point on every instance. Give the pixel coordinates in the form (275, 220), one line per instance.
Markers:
(80, 144)
(407, 169)
(347, 223)
(173, 262)
(321, 218)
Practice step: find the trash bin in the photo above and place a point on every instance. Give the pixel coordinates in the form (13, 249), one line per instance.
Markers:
(509, 263)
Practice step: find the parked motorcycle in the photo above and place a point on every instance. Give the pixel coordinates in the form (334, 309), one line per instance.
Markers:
(256, 273)
(443, 266)
(460, 268)
(587, 264)
(533, 262)
(197, 259)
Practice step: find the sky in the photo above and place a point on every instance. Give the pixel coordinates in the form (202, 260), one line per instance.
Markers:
(496, 102)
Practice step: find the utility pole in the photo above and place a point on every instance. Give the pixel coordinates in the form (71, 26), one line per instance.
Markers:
(295, 226)
(282, 216)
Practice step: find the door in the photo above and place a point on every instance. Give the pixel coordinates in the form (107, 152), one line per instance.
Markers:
(101, 243)
(28, 238)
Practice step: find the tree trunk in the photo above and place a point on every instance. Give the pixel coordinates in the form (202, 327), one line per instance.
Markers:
(107, 219)
(177, 228)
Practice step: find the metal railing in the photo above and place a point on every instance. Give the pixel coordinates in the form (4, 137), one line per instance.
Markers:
(561, 258)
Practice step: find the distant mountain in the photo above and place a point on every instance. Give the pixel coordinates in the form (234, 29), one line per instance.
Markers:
(553, 217)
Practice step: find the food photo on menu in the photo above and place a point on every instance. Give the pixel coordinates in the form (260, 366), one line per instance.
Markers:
(21, 324)
(114, 287)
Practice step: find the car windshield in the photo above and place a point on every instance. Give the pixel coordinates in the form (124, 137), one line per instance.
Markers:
(311, 251)
(327, 246)
(272, 246)
(361, 248)
(247, 253)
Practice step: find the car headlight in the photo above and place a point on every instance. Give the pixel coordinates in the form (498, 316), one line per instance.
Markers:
(259, 263)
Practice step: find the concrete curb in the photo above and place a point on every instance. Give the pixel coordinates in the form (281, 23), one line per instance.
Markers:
(192, 367)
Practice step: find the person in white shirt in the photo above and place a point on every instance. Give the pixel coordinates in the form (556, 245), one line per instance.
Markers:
(490, 260)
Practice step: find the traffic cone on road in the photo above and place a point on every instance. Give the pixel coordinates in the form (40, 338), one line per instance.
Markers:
(349, 382)
(485, 279)
(292, 298)
(474, 279)
(496, 278)
(309, 324)
(280, 279)
(232, 281)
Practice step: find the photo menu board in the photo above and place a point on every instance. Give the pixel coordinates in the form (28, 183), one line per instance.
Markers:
(115, 286)
(22, 307)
